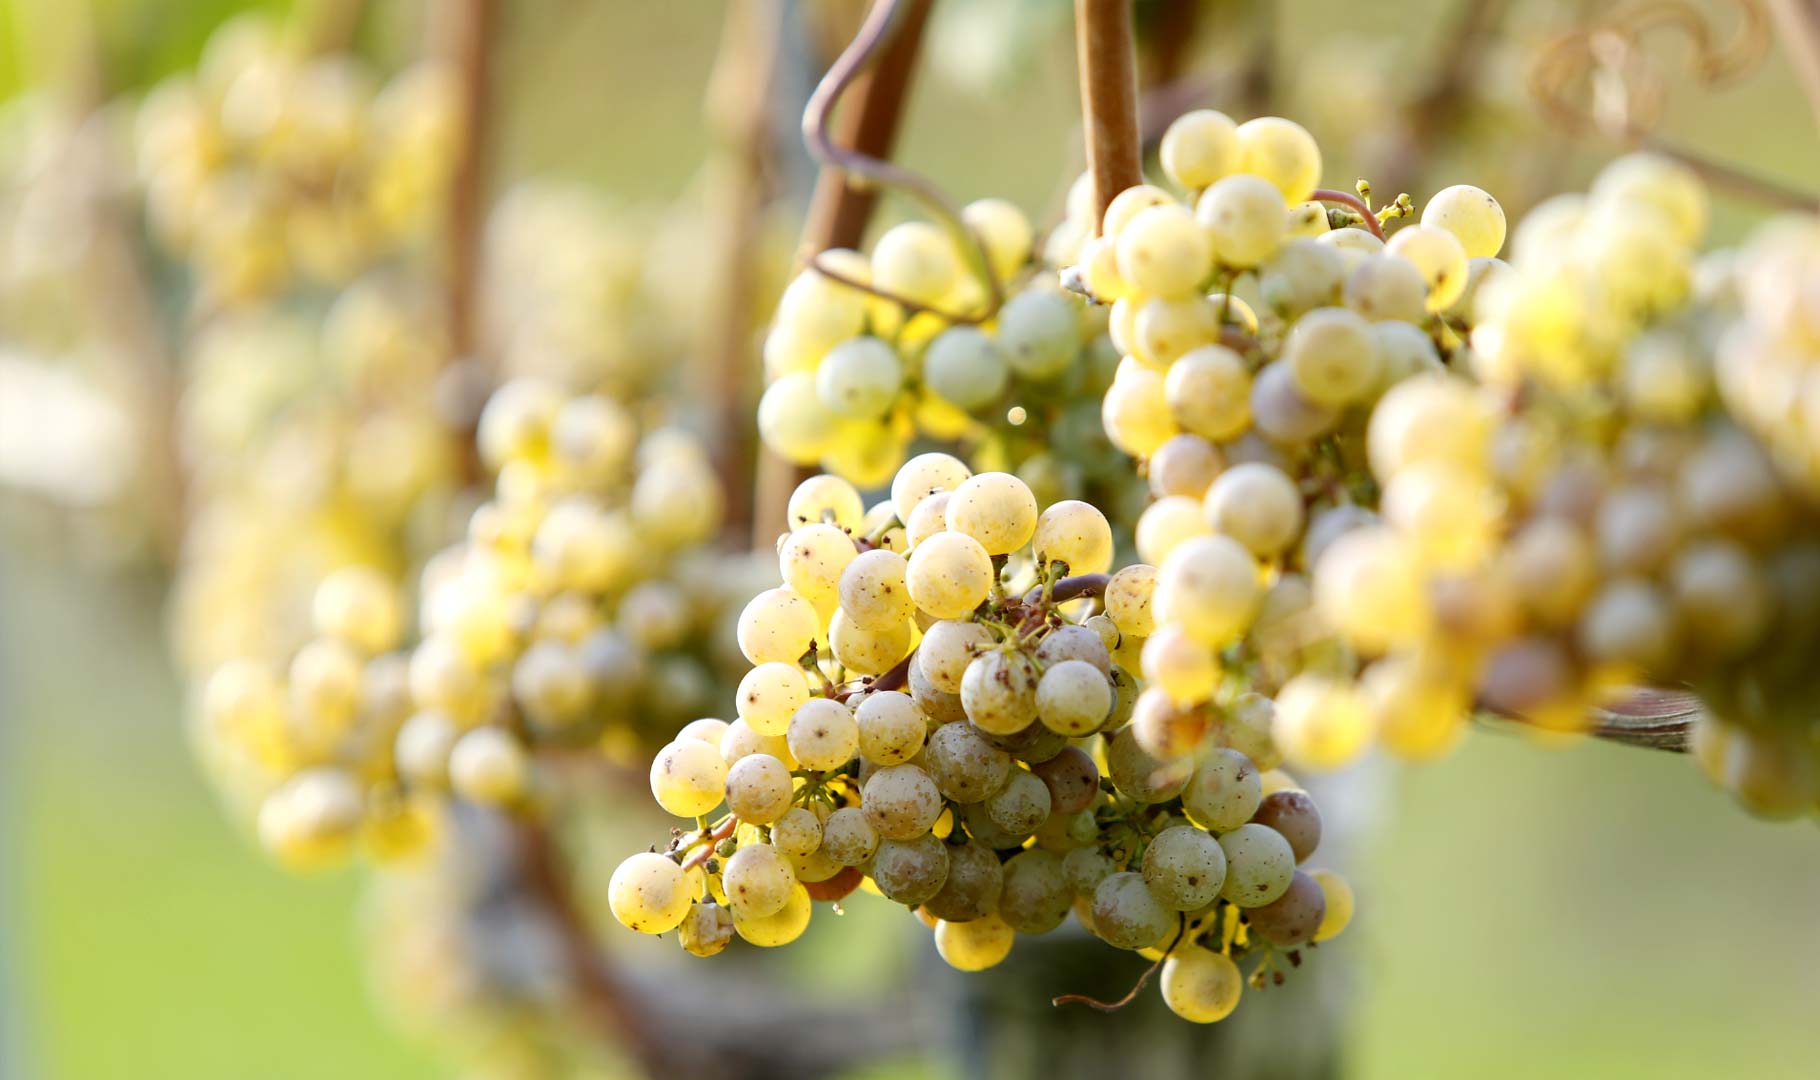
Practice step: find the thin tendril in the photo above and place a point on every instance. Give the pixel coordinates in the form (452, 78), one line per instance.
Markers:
(1143, 980)
(880, 22)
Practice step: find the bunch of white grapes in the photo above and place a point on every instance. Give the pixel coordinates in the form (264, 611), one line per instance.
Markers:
(570, 614)
(1425, 480)
(269, 166)
(853, 378)
(932, 706)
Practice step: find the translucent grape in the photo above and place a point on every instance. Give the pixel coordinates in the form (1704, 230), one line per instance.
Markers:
(997, 509)
(1072, 778)
(965, 367)
(1179, 666)
(1128, 204)
(929, 518)
(688, 777)
(1224, 791)
(1163, 252)
(1200, 147)
(649, 893)
(1630, 622)
(1038, 330)
(1185, 465)
(1166, 524)
(1200, 985)
(1074, 533)
(901, 801)
(1209, 586)
(1387, 286)
(1259, 865)
(998, 691)
(1257, 505)
(792, 419)
(1416, 714)
(964, 766)
(848, 836)
(1428, 418)
(891, 727)
(910, 871)
(946, 650)
(1127, 915)
(1303, 275)
(1141, 777)
(1072, 642)
(823, 734)
(1282, 152)
(1333, 356)
(1658, 182)
(1337, 904)
(769, 695)
(1128, 599)
(1073, 698)
(1473, 217)
(915, 260)
(1136, 413)
(1184, 868)
(1245, 218)
(974, 945)
(949, 575)
(759, 788)
(797, 833)
(782, 926)
(1370, 588)
(1295, 815)
(1404, 351)
(777, 626)
(1034, 898)
(1293, 918)
(1321, 723)
(758, 880)
(972, 887)
(825, 499)
(872, 591)
(1440, 258)
(1085, 868)
(1282, 413)
(740, 740)
(1163, 329)
(1003, 231)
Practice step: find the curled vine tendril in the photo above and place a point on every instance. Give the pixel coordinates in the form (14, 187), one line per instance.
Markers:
(874, 33)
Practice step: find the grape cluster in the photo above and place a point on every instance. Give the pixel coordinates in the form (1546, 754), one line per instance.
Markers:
(1251, 416)
(268, 166)
(1425, 481)
(572, 603)
(937, 713)
(353, 663)
(855, 377)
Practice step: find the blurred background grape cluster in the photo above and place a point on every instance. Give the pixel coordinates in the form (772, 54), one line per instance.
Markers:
(1526, 912)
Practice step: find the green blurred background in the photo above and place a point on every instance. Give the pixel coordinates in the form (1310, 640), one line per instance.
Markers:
(1596, 912)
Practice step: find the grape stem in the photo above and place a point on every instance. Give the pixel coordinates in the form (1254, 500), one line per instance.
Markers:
(706, 849)
(1070, 588)
(883, 22)
(1107, 62)
(1352, 201)
(872, 108)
